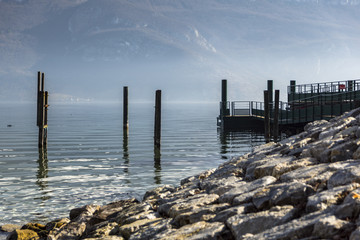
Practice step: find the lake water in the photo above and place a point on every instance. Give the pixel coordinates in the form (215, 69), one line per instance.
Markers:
(89, 161)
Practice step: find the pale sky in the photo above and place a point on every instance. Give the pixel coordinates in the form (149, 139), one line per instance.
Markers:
(90, 48)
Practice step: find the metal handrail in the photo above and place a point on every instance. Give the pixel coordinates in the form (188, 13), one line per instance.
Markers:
(336, 86)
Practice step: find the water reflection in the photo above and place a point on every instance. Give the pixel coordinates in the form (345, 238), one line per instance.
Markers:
(237, 143)
(42, 173)
(126, 152)
(157, 165)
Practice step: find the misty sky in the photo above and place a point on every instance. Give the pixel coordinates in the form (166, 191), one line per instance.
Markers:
(90, 49)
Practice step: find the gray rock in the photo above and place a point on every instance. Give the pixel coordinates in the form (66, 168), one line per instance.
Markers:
(222, 185)
(9, 227)
(324, 199)
(101, 229)
(200, 230)
(305, 174)
(258, 222)
(250, 186)
(222, 216)
(204, 213)
(191, 204)
(345, 176)
(301, 228)
(150, 231)
(350, 208)
(291, 193)
(107, 211)
(355, 235)
(330, 227)
(127, 230)
(159, 192)
(133, 213)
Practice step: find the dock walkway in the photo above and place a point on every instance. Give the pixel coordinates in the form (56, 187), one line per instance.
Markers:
(306, 103)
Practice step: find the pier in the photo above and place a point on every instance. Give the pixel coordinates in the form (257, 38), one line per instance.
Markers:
(305, 103)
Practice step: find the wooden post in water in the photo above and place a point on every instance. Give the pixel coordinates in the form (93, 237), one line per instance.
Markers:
(38, 100)
(42, 106)
(125, 111)
(223, 110)
(157, 127)
(276, 116)
(266, 116)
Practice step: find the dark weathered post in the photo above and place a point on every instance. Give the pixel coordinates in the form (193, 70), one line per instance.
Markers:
(125, 110)
(46, 104)
(223, 110)
(266, 116)
(157, 128)
(38, 99)
(276, 116)
(42, 106)
(270, 85)
(292, 91)
(41, 121)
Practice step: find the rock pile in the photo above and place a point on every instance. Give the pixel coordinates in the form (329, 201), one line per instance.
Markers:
(304, 187)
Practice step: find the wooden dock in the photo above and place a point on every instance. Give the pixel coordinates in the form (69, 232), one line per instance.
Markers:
(305, 103)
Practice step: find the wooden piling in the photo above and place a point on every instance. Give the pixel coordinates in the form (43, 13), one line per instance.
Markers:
(38, 99)
(157, 127)
(266, 116)
(41, 121)
(276, 116)
(270, 84)
(223, 110)
(42, 106)
(125, 110)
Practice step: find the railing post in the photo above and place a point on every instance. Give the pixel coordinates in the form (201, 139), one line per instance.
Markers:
(266, 116)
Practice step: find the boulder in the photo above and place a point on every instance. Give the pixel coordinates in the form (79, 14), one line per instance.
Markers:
(254, 223)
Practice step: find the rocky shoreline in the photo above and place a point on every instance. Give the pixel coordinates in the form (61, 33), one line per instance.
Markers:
(304, 187)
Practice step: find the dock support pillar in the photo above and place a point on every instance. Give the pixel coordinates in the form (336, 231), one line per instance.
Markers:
(276, 116)
(270, 85)
(223, 110)
(125, 111)
(157, 127)
(266, 116)
(292, 91)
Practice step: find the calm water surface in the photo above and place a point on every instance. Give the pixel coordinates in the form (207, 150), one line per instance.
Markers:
(88, 160)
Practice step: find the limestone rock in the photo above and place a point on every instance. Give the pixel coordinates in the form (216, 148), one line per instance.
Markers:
(159, 192)
(345, 176)
(128, 229)
(250, 186)
(324, 199)
(179, 206)
(23, 234)
(199, 230)
(133, 213)
(151, 230)
(254, 223)
(101, 229)
(355, 235)
(191, 204)
(292, 193)
(204, 213)
(330, 227)
(9, 227)
(110, 210)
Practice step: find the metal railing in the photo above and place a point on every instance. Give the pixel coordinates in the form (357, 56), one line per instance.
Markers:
(320, 106)
(337, 86)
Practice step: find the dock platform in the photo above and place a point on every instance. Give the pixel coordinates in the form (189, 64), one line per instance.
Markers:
(306, 103)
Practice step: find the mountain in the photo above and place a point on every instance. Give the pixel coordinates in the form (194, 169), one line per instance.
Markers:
(91, 48)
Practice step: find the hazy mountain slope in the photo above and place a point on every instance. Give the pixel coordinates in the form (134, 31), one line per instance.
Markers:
(182, 46)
